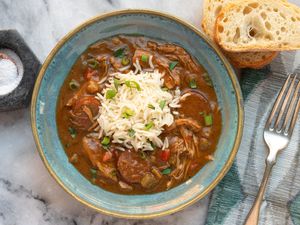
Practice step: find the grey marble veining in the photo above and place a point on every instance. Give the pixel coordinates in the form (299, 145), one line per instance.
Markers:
(28, 194)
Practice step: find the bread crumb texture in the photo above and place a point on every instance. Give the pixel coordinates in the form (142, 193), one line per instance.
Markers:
(264, 25)
(255, 60)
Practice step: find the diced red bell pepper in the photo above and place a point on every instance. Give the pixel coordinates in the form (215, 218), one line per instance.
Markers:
(107, 156)
(165, 155)
(90, 73)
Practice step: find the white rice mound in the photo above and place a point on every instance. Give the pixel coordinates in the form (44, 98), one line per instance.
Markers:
(111, 118)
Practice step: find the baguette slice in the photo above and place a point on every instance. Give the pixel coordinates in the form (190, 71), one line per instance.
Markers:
(258, 25)
(255, 60)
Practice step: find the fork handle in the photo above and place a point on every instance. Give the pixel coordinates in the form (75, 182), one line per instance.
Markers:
(253, 216)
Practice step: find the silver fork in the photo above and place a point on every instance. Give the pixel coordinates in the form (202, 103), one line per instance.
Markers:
(277, 134)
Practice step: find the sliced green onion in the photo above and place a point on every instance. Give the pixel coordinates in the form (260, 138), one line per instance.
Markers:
(162, 104)
(193, 84)
(149, 125)
(106, 147)
(119, 53)
(166, 171)
(93, 172)
(133, 84)
(74, 84)
(208, 120)
(72, 132)
(93, 63)
(131, 132)
(145, 58)
(150, 106)
(172, 65)
(165, 89)
(207, 79)
(67, 145)
(105, 141)
(110, 94)
(125, 61)
(201, 113)
(117, 83)
(113, 173)
(127, 112)
(152, 145)
(143, 155)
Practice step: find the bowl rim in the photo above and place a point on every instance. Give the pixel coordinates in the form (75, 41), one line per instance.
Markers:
(232, 76)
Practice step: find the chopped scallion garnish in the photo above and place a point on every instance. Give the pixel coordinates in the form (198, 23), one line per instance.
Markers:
(72, 132)
(93, 172)
(125, 61)
(67, 145)
(119, 53)
(172, 65)
(150, 106)
(93, 63)
(152, 145)
(193, 84)
(201, 113)
(110, 94)
(208, 120)
(162, 104)
(145, 58)
(131, 132)
(165, 89)
(127, 112)
(133, 84)
(149, 125)
(207, 79)
(116, 83)
(105, 141)
(143, 155)
(166, 171)
(74, 84)
(113, 173)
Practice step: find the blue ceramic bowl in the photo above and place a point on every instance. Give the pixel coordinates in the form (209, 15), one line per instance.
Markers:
(155, 25)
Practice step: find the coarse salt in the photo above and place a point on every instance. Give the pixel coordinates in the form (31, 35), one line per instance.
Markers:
(9, 77)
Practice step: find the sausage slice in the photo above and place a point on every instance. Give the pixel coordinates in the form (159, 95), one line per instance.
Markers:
(132, 167)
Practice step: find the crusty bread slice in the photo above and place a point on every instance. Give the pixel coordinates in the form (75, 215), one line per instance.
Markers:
(258, 25)
(211, 9)
(254, 60)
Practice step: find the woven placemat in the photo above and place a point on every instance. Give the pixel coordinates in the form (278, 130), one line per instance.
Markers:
(233, 197)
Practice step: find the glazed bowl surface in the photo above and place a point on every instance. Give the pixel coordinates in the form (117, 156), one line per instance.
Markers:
(155, 25)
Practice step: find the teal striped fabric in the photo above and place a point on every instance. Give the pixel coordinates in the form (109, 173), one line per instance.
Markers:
(233, 197)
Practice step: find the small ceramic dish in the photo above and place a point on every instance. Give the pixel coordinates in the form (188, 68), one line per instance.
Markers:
(158, 26)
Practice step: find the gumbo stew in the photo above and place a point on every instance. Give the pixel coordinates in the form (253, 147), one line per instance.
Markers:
(137, 115)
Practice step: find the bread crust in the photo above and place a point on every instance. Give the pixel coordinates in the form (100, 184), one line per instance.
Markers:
(236, 60)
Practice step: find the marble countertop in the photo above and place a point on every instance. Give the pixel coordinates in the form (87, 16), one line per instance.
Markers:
(28, 194)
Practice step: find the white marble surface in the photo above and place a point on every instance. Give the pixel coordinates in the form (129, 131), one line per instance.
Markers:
(28, 194)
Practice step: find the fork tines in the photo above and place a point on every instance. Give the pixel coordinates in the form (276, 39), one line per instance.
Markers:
(284, 114)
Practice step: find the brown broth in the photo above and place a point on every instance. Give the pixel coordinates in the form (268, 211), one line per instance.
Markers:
(203, 101)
